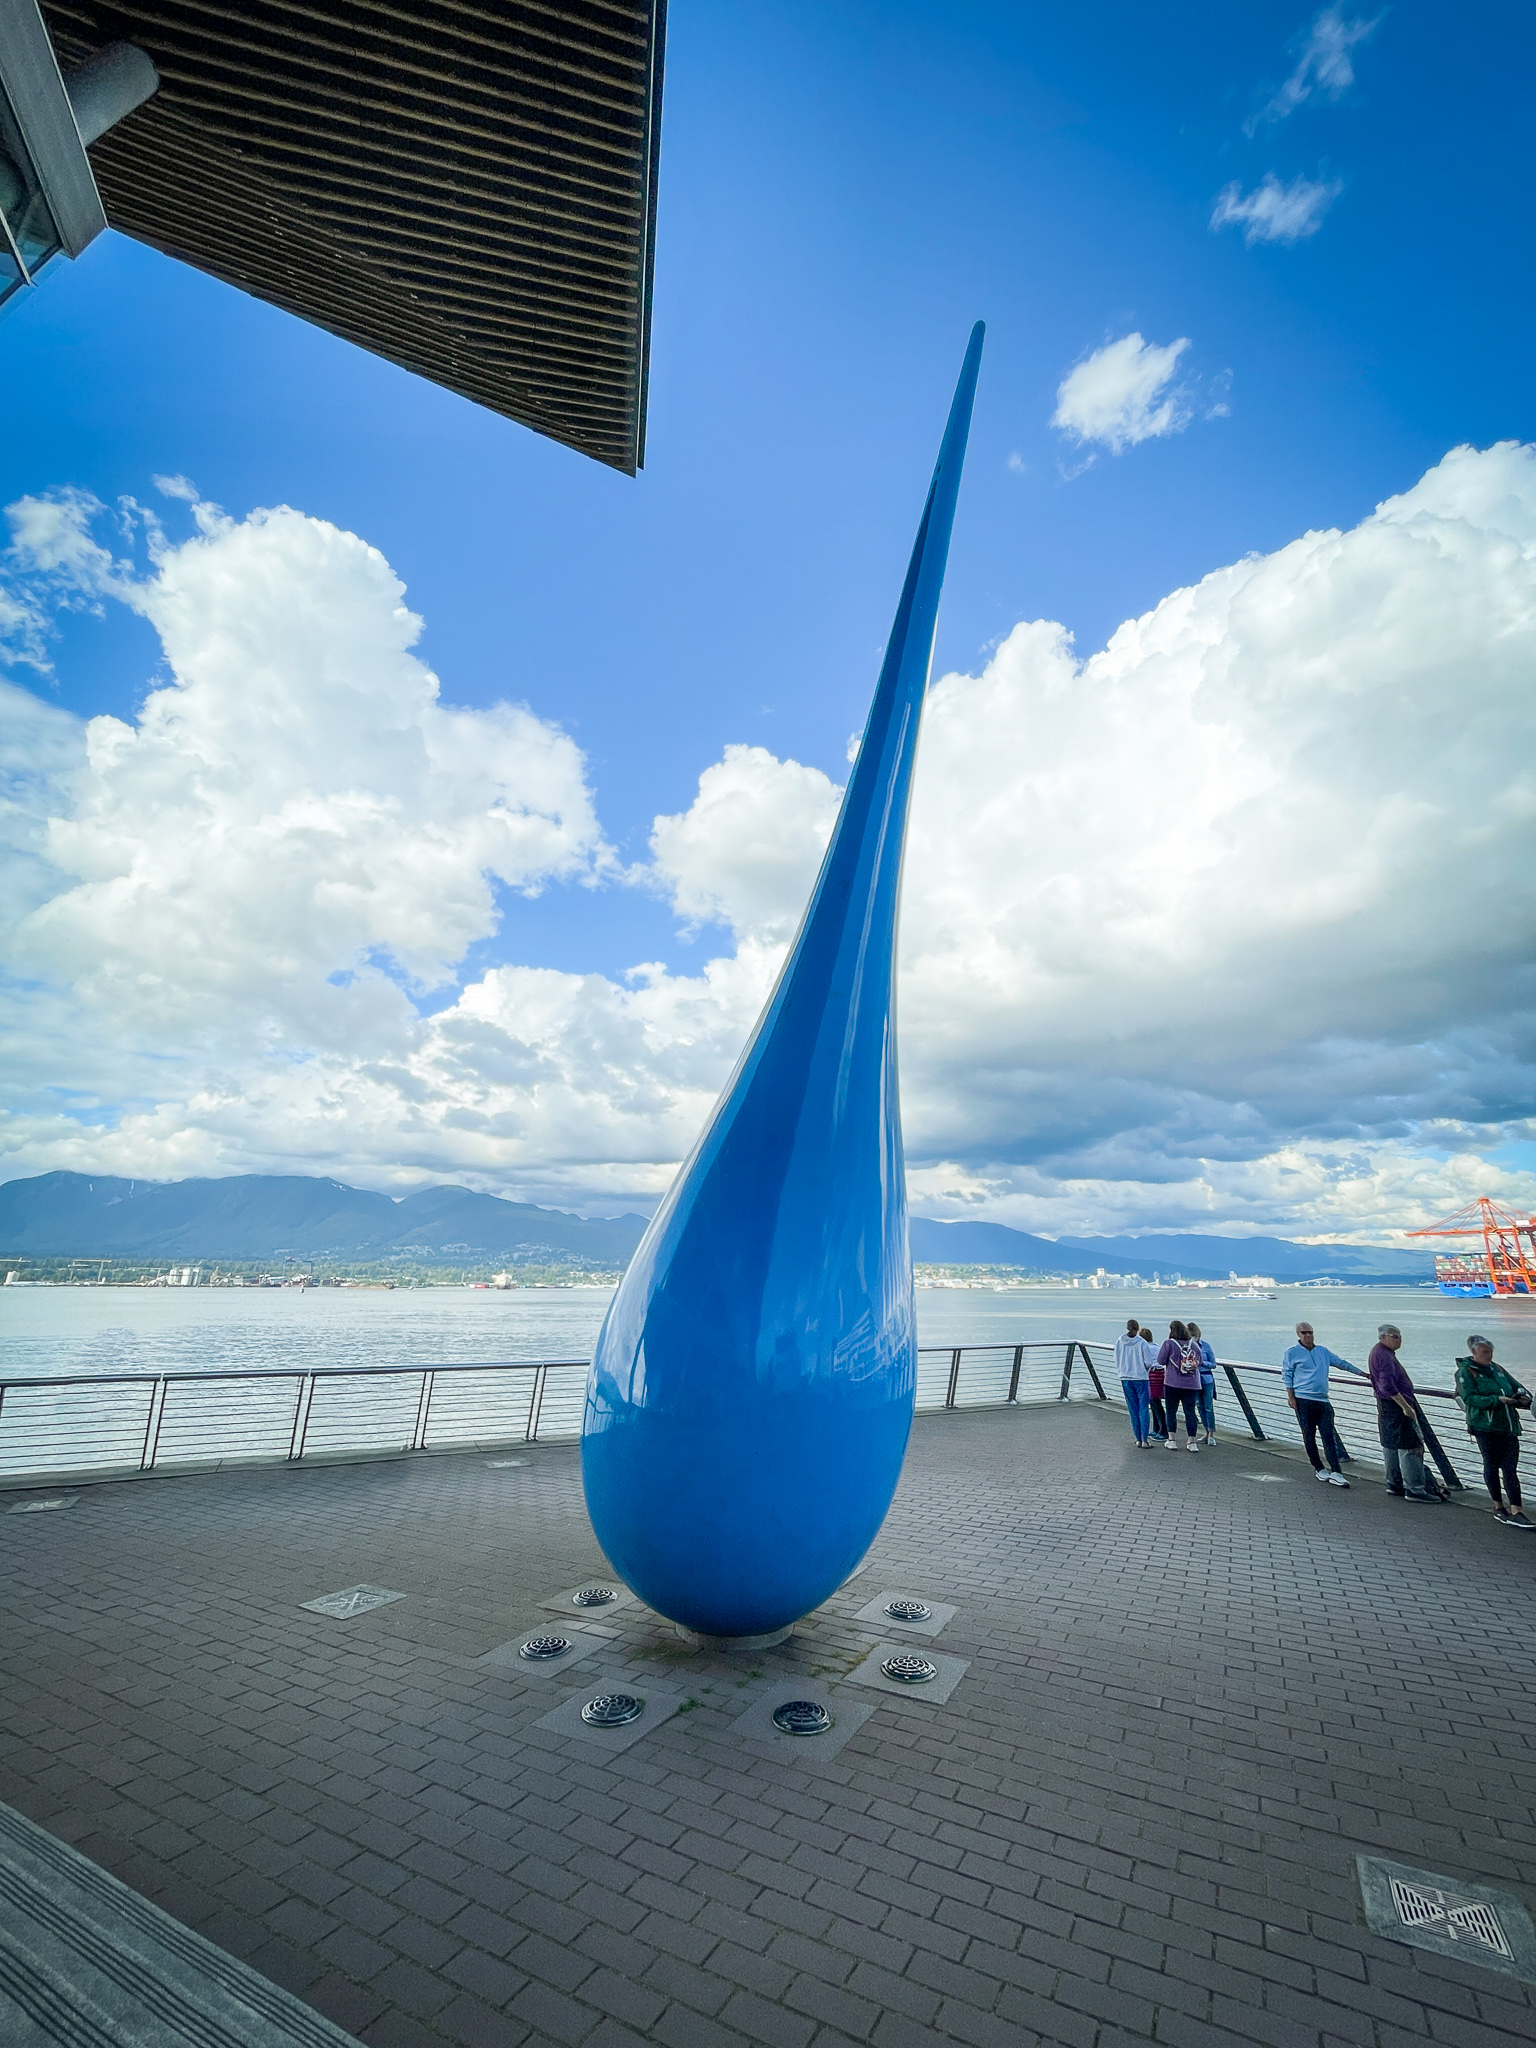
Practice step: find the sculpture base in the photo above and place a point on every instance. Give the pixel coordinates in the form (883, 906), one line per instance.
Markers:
(767, 1642)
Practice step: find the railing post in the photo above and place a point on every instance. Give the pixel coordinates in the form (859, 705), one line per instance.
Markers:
(1088, 1361)
(1018, 1361)
(165, 1394)
(152, 1424)
(954, 1377)
(1242, 1400)
(1066, 1371)
(419, 1433)
(301, 1407)
(535, 1403)
(1447, 1469)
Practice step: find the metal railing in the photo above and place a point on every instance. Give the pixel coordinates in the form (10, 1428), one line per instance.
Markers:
(127, 1424)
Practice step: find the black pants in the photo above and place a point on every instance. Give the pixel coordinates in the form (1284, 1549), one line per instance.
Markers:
(1159, 1416)
(1185, 1397)
(1314, 1416)
(1501, 1453)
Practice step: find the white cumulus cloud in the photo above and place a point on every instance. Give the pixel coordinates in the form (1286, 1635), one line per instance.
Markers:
(1324, 67)
(1229, 924)
(746, 850)
(295, 824)
(1273, 212)
(1123, 393)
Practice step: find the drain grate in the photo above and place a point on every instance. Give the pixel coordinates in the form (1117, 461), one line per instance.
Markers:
(351, 1600)
(1448, 1916)
(910, 1670)
(539, 1649)
(594, 1596)
(909, 1610)
(1424, 1906)
(43, 1507)
(802, 1717)
(612, 1710)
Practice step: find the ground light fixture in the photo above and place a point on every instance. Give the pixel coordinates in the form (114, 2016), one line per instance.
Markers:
(910, 1670)
(612, 1710)
(802, 1717)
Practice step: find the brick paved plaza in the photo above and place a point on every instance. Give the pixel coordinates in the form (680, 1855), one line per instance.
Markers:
(1192, 1698)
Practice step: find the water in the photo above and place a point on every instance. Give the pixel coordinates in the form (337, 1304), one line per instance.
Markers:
(76, 1332)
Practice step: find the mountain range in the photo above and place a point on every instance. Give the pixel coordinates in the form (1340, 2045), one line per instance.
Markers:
(261, 1216)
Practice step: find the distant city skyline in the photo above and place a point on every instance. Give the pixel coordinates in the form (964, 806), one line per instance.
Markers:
(395, 796)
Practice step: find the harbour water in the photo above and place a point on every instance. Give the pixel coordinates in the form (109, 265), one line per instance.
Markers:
(78, 1332)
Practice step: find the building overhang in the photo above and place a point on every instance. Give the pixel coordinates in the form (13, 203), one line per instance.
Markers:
(467, 191)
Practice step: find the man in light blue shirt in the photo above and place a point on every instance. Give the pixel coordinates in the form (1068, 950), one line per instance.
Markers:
(1304, 1374)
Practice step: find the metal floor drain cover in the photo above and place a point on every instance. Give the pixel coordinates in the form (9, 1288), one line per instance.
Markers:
(612, 1710)
(1469, 1919)
(504, 1464)
(1267, 1478)
(1448, 1916)
(593, 1596)
(42, 1507)
(802, 1717)
(538, 1648)
(351, 1600)
(909, 1610)
(910, 1670)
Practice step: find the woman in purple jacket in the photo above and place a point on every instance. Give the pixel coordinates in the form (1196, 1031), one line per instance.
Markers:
(1180, 1360)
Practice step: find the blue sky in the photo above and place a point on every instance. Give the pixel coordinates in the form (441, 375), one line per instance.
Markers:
(843, 189)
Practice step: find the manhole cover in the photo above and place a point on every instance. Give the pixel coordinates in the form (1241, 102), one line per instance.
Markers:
(593, 1596)
(612, 1710)
(802, 1717)
(539, 1649)
(910, 1670)
(909, 1610)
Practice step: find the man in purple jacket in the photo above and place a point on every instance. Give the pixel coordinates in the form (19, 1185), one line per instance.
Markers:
(1402, 1446)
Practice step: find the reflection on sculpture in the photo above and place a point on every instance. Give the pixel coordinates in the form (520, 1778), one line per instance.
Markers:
(751, 1392)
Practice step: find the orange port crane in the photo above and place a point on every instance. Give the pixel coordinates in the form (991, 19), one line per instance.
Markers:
(1508, 1262)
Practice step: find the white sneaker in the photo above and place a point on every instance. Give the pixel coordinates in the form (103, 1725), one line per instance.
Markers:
(1194, 1447)
(1173, 1443)
(1323, 1477)
(1336, 1479)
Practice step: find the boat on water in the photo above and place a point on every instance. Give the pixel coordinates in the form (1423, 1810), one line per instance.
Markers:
(1251, 1294)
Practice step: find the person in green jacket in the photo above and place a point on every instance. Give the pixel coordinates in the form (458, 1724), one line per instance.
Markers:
(1492, 1401)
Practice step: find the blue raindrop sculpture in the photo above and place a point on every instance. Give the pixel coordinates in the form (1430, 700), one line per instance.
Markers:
(751, 1393)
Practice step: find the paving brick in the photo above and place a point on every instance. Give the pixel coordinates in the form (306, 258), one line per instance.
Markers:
(770, 2024)
(1135, 1822)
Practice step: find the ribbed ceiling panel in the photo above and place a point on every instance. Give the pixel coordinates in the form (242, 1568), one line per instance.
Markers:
(469, 191)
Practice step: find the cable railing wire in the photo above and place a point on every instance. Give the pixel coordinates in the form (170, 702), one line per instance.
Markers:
(131, 1424)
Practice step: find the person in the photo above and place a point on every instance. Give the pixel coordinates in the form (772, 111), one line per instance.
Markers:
(1304, 1375)
(1133, 1357)
(1397, 1421)
(1180, 1360)
(1207, 1385)
(1155, 1390)
(1491, 1400)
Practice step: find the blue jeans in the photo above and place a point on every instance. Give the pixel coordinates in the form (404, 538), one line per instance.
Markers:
(1138, 1399)
(1208, 1405)
(1316, 1417)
